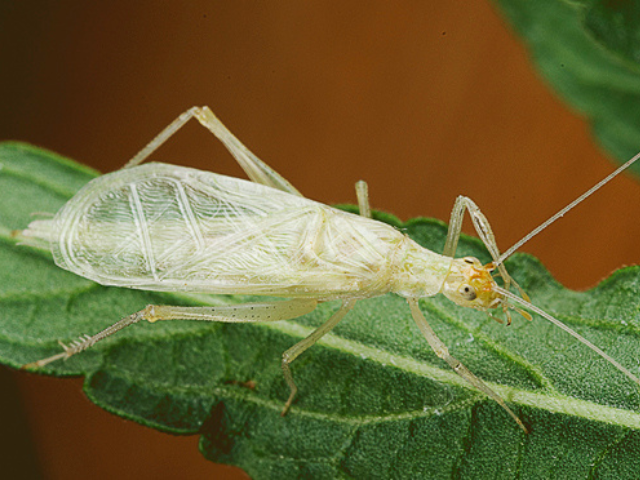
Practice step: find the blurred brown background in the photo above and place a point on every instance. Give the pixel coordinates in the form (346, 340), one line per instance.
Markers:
(424, 100)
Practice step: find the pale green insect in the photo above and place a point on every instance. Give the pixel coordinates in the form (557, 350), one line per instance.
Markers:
(168, 228)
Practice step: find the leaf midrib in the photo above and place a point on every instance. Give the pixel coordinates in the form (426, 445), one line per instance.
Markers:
(550, 401)
(556, 403)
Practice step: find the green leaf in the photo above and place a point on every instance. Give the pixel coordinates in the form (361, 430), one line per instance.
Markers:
(374, 401)
(588, 51)
(615, 24)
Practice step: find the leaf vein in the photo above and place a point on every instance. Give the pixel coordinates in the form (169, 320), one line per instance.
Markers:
(534, 371)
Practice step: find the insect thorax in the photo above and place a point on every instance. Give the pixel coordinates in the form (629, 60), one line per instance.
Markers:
(419, 272)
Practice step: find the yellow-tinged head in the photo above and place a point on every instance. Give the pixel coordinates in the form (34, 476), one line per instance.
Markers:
(471, 284)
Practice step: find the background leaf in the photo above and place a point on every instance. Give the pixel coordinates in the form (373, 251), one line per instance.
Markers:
(374, 401)
(616, 25)
(588, 51)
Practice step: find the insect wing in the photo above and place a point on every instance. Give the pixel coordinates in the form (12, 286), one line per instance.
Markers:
(163, 227)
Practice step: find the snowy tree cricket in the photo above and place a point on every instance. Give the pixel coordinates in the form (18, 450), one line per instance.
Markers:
(169, 228)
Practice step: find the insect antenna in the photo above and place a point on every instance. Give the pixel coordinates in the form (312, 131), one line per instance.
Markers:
(562, 212)
(558, 323)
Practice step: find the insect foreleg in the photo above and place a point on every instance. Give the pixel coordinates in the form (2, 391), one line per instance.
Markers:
(295, 351)
(362, 192)
(480, 223)
(482, 227)
(242, 313)
(442, 352)
(256, 169)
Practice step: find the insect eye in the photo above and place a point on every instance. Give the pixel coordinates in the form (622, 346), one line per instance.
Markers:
(467, 292)
(469, 260)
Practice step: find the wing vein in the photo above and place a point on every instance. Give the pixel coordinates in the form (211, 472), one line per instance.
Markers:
(141, 222)
(190, 218)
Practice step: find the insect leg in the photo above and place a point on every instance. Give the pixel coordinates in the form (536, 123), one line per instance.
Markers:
(162, 137)
(256, 169)
(362, 192)
(482, 227)
(87, 341)
(442, 352)
(242, 313)
(480, 223)
(295, 351)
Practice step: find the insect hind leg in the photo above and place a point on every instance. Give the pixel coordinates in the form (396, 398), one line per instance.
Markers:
(240, 313)
(87, 341)
(256, 169)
